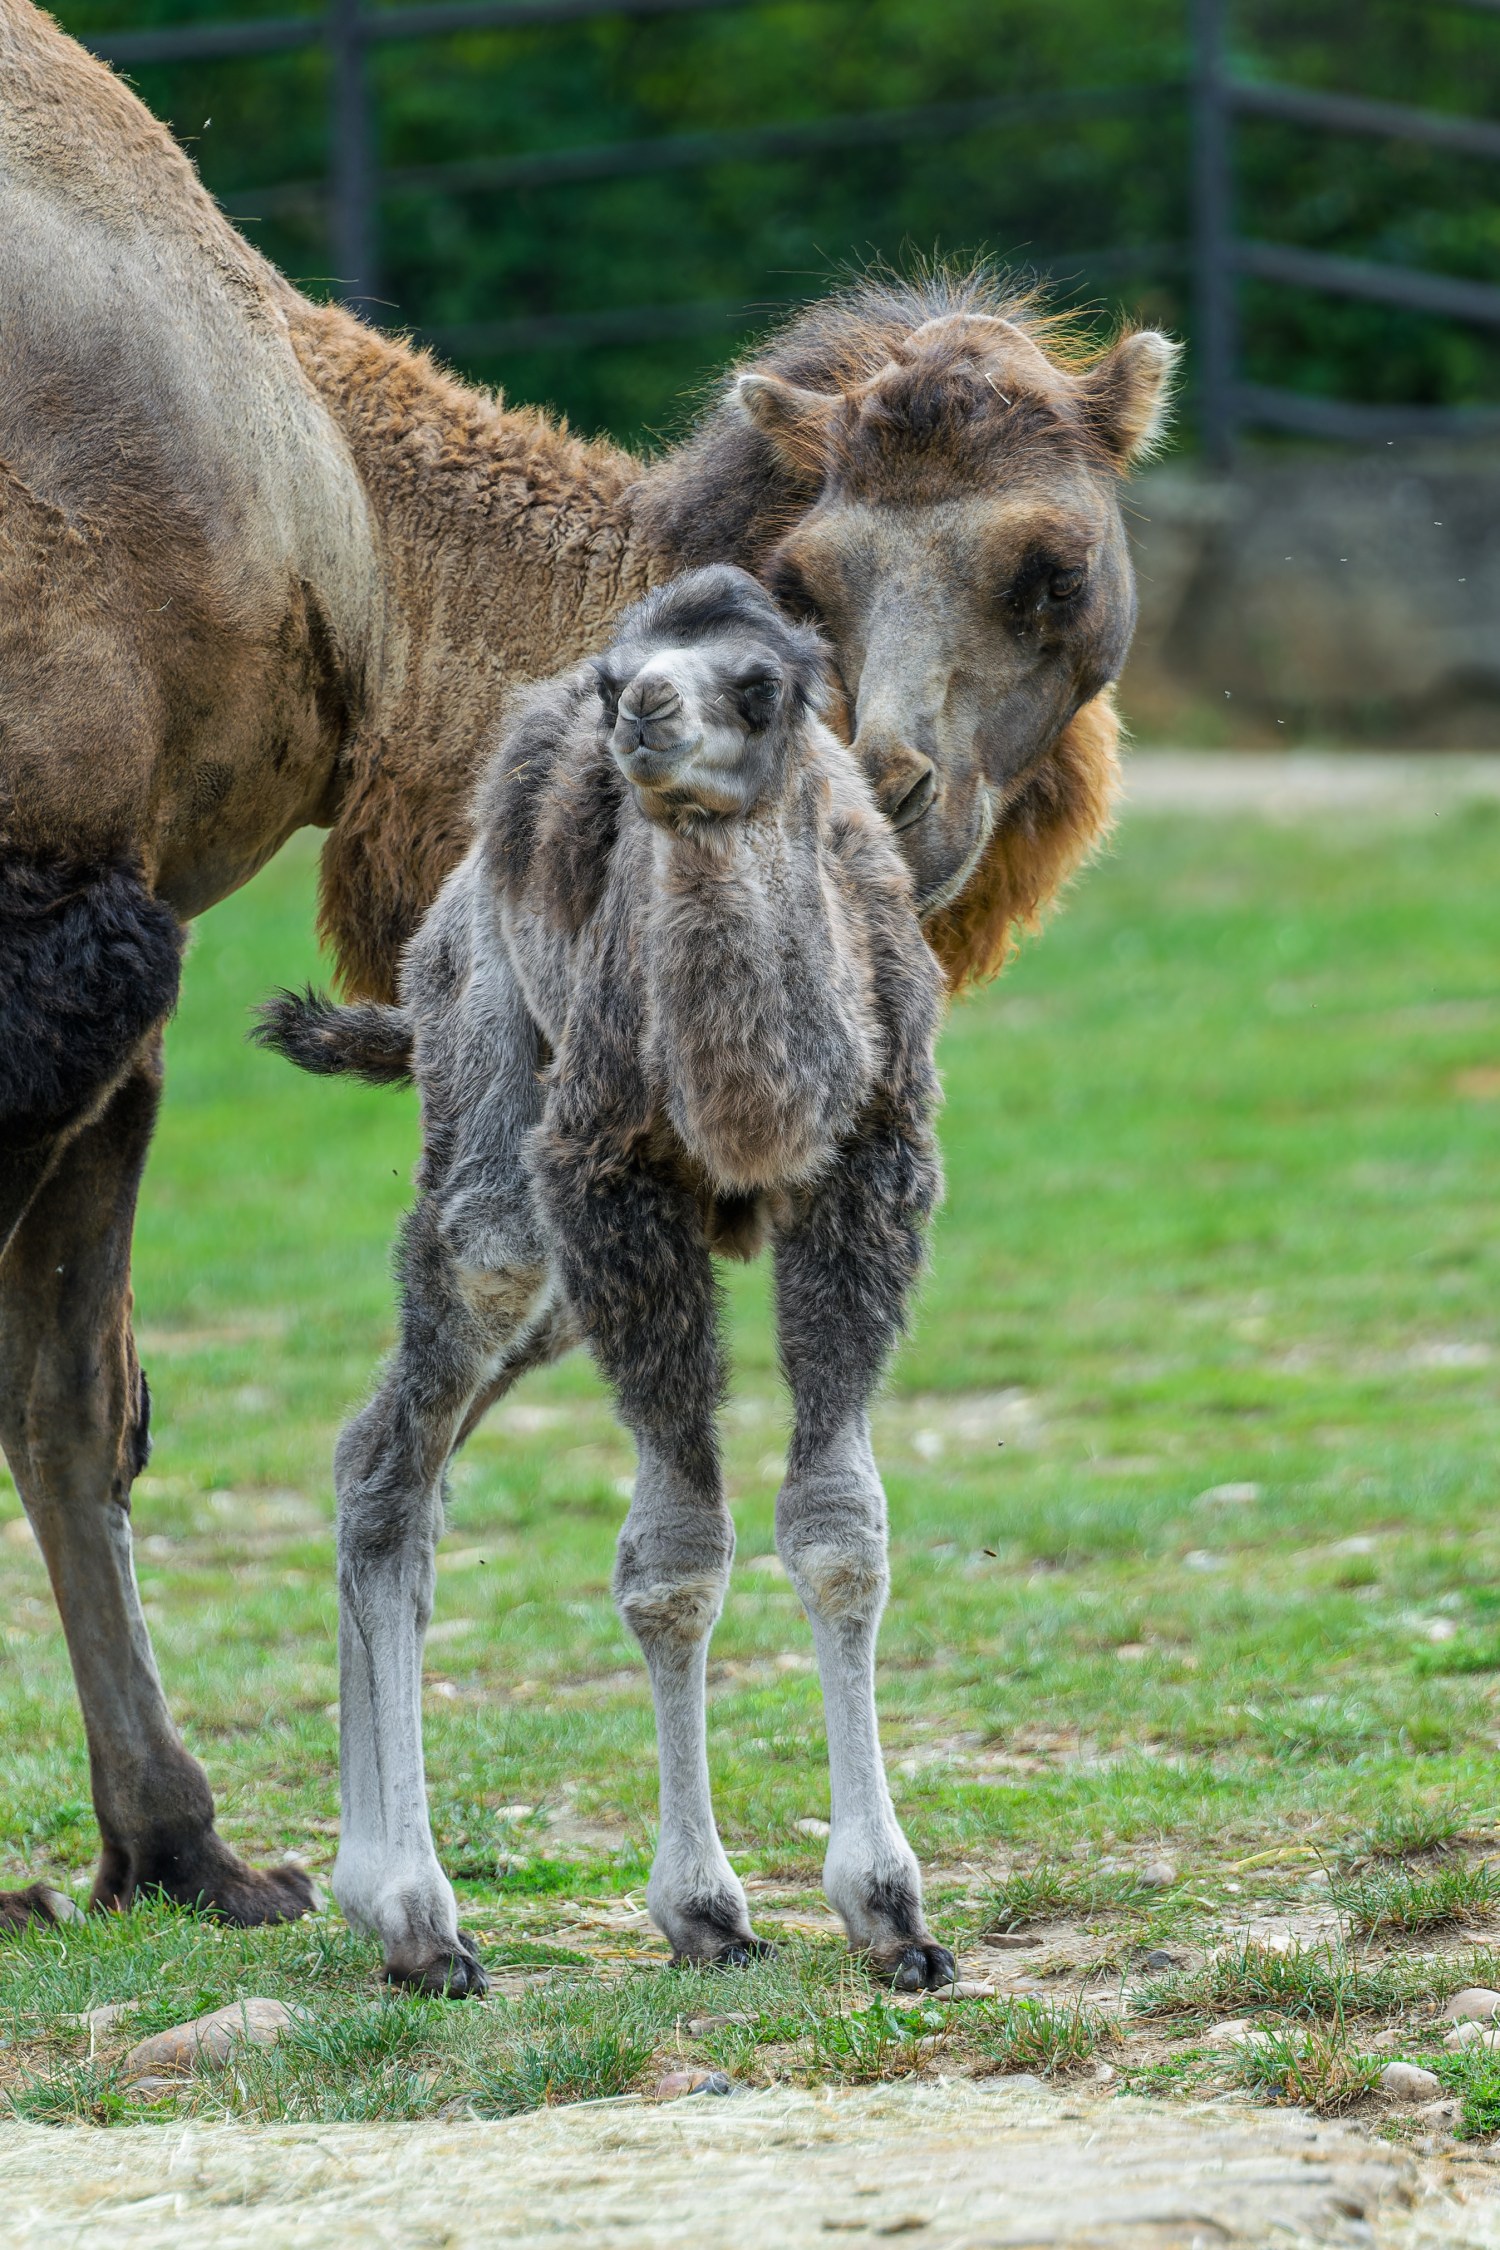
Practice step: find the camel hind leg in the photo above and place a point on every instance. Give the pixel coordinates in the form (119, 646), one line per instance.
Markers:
(74, 1412)
(465, 1336)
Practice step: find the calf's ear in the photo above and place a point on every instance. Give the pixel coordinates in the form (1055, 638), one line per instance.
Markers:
(1127, 396)
(797, 422)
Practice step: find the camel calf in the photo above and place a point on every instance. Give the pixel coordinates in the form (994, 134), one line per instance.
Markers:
(675, 1000)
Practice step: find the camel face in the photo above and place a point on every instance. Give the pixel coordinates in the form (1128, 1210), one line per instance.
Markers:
(966, 558)
(690, 729)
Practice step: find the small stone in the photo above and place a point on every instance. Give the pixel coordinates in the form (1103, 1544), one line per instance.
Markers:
(515, 1812)
(1159, 1958)
(1159, 1874)
(965, 1988)
(1471, 2034)
(1022, 2082)
(100, 2020)
(1229, 1496)
(1012, 1941)
(1131, 1652)
(1410, 2084)
(1444, 2112)
(209, 2039)
(1104, 2074)
(1229, 2034)
(1475, 2004)
(1199, 1558)
(698, 2027)
(676, 2083)
(812, 1826)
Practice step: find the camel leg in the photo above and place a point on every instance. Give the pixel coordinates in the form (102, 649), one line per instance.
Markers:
(73, 1420)
(458, 1346)
(841, 1280)
(636, 1270)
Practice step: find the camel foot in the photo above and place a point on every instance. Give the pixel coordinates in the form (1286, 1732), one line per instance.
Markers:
(735, 1953)
(203, 1874)
(455, 1974)
(39, 1906)
(919, 1967)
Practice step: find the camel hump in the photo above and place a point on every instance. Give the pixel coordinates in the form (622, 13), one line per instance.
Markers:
(69, 128)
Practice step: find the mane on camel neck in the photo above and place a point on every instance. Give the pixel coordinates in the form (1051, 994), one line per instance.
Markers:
(510, 543)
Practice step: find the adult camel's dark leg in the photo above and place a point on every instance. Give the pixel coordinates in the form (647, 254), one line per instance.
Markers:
(74, 1412)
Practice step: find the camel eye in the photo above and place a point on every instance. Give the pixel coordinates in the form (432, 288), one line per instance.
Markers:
(756, 696)
(1065, 585)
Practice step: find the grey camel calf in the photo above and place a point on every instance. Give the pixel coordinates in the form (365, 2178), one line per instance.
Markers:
(675, 1001)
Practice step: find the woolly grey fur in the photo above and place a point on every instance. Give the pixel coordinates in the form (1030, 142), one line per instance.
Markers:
(675, 1000)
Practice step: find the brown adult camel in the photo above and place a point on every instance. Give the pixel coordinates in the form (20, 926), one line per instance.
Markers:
(262, 568)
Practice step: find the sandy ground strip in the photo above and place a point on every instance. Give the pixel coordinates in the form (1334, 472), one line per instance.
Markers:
(1302, 784)
(996, 2164)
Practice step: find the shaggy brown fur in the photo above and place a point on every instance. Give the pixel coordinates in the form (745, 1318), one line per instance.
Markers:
(261, 568)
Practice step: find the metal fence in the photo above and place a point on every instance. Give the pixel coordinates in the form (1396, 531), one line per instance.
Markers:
(1220, 254)
(1226, 405)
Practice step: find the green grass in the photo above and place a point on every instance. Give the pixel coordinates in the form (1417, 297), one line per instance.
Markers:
(1191, 1463)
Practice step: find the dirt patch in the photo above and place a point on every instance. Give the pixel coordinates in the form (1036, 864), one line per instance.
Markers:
(999, 2164)
(1298, 786)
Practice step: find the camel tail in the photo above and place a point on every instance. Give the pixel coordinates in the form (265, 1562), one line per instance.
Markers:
(366, 1041)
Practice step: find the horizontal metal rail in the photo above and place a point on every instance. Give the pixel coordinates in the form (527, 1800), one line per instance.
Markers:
(1414, 291)
(1301, 416)
(1351, 113)
(273, 34)
(608, 160)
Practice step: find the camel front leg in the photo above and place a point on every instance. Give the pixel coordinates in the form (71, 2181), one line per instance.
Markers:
(457, 1346)
(635, 1269)
(842, 1276)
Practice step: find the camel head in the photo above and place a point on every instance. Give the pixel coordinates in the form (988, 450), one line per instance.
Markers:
(701, 693)
(960, 544)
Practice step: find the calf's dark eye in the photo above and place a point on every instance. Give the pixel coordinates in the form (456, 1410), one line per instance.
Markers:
(756, 697)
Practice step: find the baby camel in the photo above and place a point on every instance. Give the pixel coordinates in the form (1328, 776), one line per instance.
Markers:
(676, 1000)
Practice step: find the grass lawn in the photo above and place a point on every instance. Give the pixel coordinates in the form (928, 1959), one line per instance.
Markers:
(1192, 1468)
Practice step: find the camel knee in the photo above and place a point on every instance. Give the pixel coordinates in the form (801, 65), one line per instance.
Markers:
(75, 1423)
(672, 1613)
(831, 1534)
(670, 1579)
(841, 1581)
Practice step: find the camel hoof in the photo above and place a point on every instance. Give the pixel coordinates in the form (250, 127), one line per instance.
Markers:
(39, 1905)
(454, 1975)
(742, 1951)
(210, 1880)
(924, 1967)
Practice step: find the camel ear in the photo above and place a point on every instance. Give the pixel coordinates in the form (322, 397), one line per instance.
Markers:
(1126, 396)
(797, 422)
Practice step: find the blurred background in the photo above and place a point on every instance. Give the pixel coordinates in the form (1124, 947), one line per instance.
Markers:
(596, 205)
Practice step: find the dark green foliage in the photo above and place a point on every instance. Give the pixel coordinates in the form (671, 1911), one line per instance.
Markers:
(1098, 193)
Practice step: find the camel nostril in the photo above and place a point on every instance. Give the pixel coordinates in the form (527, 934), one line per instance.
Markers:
(914, 800)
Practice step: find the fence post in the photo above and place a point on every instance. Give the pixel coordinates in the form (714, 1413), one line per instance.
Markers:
(352, 229)
(1213, 234)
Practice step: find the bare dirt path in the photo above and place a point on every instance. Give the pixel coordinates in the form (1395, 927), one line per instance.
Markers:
(1005, 2163)
(1305, 784)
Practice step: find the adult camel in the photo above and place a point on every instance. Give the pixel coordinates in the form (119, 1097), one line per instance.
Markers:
(261, 568)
